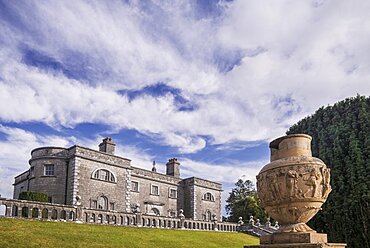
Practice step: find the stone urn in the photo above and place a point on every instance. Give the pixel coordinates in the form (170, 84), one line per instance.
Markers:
(294, 185)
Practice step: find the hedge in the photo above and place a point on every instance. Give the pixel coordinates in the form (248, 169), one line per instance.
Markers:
(33, 196)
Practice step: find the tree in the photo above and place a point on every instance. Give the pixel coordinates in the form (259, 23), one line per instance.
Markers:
(243, 202)
(341, 138)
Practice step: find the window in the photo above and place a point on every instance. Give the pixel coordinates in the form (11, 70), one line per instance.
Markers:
(32, 171)
(208, 197)
(154, 190)
(134, 186)
(50, 199)
(111, 206)
(103, 203)
(208, 215)
(155, 211)
(94, 204)
(104, 175)
(172, 193)
(49, 170)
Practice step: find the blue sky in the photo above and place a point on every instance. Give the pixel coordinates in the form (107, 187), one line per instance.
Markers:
(209, 82)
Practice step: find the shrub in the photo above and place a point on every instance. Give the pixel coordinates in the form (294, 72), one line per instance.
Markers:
(33, 196)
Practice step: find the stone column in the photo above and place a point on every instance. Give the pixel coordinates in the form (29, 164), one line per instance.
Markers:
(49, 213)
(19, 212)
(58, 214)
(8, 210)
(139, 220)
(215, 223)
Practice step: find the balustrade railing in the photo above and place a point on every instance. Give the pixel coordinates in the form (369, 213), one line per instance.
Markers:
(254, 227)
(79, 214)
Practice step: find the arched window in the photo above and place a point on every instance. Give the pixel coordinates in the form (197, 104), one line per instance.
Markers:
(155, 211)
(103, 203)
(208, 197)
(208, 215)
(104, 175)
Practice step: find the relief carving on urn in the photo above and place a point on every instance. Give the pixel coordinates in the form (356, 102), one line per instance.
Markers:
(294, 185)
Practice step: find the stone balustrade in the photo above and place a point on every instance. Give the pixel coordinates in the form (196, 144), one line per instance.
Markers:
(254, 227)
(59, 212)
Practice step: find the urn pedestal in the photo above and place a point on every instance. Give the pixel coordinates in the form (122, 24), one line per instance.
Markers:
(292, 189)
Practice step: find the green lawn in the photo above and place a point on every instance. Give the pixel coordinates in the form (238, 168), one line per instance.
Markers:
(34, 233)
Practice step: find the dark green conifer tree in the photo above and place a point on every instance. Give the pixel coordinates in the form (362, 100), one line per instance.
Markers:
(341, 138)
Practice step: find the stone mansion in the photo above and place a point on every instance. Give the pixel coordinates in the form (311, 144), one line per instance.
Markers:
(104, 181)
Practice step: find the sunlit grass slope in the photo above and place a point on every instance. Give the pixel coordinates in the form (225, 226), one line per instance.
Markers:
(33, 233)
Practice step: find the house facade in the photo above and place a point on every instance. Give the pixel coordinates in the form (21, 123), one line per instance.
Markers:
(101, 180)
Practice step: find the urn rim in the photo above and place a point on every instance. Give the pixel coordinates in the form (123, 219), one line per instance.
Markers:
(275, 143)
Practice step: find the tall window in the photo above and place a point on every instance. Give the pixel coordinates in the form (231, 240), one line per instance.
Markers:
(154, 190)
(172, 193)
(49, 170)
(104, 175)
(208, 197)
(207, 216)
(103, 203)
(134, 186)
(94, 204)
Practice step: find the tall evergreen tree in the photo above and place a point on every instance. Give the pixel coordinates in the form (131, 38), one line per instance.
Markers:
(341, 138)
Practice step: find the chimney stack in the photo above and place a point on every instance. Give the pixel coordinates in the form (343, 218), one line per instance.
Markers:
(173, 167)
(107, 146)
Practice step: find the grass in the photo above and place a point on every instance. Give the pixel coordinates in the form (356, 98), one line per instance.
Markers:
(35, 233)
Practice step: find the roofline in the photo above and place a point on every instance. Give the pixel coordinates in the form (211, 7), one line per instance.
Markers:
(48, 147)
(134, 167)
(203, 180)
(22, 173)
(70, 148)
(112, 155)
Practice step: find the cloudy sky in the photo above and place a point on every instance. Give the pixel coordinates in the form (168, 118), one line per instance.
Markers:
(209, 82)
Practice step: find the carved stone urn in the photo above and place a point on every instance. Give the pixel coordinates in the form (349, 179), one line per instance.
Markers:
(294, 185)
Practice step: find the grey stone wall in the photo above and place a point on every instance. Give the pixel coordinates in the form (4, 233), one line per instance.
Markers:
(203, 206)
(74, 168)
(187, 186)
(91, 189)
(101, 157)
(54, 186)
(163, 202)
(20, 184)
(195, 206)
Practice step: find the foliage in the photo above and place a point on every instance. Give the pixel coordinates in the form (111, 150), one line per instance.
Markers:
(341, 138)
(33, 196)
(33, 233)
(243, 202)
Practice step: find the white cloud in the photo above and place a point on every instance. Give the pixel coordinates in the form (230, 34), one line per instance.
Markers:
(15, 153)
(225, 173)
(222, 173)
(314, 54)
